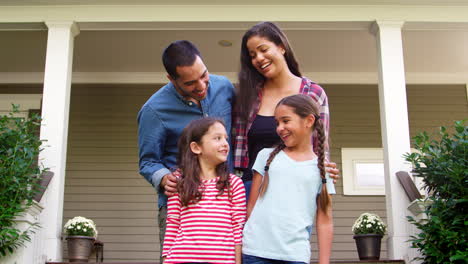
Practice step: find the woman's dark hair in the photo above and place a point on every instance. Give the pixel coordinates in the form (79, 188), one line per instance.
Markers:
(304, 106)
(189, 185)
(179, 53)
(249, 78)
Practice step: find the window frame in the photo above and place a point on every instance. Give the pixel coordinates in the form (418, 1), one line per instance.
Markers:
(351, 156)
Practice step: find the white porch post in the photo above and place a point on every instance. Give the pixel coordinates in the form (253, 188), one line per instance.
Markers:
(395, 131)
(54, 129)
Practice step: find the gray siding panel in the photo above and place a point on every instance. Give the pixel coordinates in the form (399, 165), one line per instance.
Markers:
(102, 180)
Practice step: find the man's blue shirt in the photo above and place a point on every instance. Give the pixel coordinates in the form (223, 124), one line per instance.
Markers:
(162, 119)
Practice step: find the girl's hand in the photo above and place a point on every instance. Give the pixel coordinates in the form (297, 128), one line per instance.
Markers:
(332, 170)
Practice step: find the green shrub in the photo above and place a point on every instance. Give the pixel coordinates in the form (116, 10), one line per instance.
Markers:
(19, 170)
(443, 166)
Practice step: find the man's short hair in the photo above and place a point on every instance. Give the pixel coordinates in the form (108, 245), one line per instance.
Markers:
(179, 53)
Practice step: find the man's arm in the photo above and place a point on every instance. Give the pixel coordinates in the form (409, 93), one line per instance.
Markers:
(169, 183)
(151, 143)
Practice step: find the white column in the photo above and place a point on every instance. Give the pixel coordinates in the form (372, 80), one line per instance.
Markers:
(54, 129)
(395, 131)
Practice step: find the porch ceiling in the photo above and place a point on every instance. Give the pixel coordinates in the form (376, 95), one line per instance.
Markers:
(237, 2)
(426, 51)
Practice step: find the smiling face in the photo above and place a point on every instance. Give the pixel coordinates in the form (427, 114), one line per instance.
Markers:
(267, 57)
(193, 80)
(293, 129)
(213, 148)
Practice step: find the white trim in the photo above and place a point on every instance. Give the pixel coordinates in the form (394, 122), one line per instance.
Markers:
(221, 25)
(233, 13)
(160, 77)
(63, 25)
(233, 26)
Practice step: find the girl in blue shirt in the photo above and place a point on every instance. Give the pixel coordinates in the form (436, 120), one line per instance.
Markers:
(289, 189)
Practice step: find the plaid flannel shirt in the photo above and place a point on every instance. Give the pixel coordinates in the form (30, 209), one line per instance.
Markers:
(241, 128)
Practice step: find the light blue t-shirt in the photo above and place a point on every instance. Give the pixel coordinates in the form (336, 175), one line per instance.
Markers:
(280, 224)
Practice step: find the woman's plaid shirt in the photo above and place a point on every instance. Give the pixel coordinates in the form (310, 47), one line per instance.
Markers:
(241, 128)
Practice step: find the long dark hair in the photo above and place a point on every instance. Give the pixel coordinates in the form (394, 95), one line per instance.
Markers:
(190, 182)
(304, 106)
(249, 78)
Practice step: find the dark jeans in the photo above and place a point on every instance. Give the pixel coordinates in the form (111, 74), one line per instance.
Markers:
(248, 259)
(247, 185)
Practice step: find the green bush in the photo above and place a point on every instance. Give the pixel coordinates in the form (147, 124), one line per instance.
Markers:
(19, 170)
(443, 166)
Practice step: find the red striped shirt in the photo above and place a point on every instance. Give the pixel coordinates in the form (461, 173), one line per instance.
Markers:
(208, 230)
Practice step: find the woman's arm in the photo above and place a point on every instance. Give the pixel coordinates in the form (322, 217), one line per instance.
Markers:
(324, 233)
(254, 192)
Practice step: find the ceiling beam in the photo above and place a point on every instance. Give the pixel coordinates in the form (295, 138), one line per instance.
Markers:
(233, 13)
(160, 77)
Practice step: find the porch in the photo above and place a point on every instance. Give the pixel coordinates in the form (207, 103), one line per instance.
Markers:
(102, 65)
(333, 262)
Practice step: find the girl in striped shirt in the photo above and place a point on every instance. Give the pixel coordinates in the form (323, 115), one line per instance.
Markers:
(206, 216)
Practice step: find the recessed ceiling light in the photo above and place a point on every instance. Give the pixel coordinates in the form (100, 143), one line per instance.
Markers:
(225, 43)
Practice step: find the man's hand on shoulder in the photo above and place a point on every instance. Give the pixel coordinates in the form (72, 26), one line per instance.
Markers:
(169, 183)
(333, 171)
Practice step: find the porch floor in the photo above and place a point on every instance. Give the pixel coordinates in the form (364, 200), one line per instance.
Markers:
(332, 262)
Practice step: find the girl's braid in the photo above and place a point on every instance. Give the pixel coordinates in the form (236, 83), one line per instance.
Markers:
(323, 199)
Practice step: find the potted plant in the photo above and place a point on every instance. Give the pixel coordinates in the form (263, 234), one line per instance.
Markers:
(442, 163)
(19, 177)
(81, 234)
(368, 231)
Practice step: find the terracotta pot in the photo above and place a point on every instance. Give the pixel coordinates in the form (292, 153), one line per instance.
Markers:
(368, 246)
(79, 248)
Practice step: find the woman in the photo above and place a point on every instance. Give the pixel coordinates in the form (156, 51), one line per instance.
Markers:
(269, 72)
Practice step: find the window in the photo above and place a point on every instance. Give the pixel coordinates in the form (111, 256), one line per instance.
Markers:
(363, 171)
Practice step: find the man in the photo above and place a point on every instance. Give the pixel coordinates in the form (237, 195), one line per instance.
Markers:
(192, 93)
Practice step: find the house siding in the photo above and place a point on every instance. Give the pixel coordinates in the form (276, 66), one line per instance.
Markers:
(102, 179)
